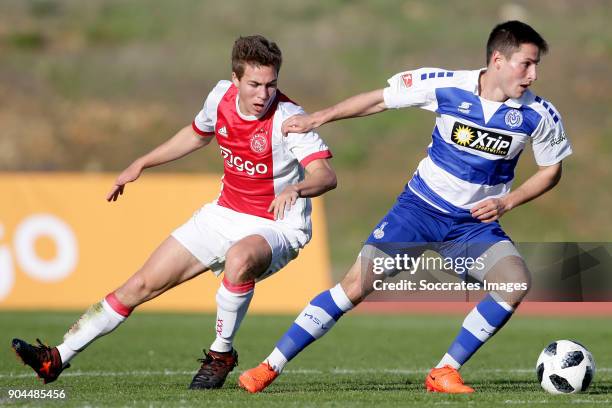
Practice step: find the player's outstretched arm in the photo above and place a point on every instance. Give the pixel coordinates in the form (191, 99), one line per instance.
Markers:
(543, 180)
(320, 178)
(181, 144)
(364, 104)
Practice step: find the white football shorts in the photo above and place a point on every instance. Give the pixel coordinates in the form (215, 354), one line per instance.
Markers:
(213, 229)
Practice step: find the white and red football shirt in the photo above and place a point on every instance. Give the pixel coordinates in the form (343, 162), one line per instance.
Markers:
(259, 162)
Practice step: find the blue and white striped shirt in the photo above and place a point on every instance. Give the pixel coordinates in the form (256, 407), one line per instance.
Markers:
(476, 143)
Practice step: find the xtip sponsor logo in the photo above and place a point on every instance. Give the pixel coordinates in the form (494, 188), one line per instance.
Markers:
(238, 163)
(481, 140)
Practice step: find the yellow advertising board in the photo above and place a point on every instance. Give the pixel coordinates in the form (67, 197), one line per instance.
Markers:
(63, 246)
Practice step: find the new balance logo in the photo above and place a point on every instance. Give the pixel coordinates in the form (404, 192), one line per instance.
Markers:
(223, 131)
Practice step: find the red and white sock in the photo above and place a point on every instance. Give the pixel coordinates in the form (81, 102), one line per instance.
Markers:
(232, 304)
(100, 319)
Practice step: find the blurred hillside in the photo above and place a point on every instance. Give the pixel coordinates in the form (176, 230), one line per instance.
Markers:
(90, 85)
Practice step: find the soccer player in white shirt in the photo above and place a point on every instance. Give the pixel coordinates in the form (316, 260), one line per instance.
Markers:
(453, 202)
(257, 225)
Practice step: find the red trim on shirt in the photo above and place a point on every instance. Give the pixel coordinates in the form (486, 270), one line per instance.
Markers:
(240, 288)
(117, 306)
(200, 132)
(324, 154)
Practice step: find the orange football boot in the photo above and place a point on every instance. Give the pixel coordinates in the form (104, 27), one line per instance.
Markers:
(446, 379)
(258, 378)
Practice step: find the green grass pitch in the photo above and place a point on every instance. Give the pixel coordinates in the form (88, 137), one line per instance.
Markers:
(367, 360)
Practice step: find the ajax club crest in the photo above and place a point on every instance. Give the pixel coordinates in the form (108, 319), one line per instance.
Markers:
(259, 141)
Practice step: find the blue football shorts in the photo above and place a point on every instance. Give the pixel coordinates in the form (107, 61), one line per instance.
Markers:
(413, 226)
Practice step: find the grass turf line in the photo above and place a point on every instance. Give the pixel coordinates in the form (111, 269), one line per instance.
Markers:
(365, 360)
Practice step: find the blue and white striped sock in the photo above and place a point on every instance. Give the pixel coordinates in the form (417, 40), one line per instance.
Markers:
(313, 322)
(479, 326)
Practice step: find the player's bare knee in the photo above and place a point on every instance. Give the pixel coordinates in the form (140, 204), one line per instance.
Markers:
(523, 280)
(521, 277)
(247, 259)
(514, 274)
(239, 267)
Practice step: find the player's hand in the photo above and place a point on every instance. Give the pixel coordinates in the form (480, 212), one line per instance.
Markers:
(284, 201)
(127, 176)
(298, 124)
(489, 210)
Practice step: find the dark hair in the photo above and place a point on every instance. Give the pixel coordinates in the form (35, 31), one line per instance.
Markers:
(255, 50)
(507, 38)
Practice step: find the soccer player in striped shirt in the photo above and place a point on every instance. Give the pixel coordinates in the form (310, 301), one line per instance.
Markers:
(255, 227)
(484, 119)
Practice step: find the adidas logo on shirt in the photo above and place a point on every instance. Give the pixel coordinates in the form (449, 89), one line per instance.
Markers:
(223, 131)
